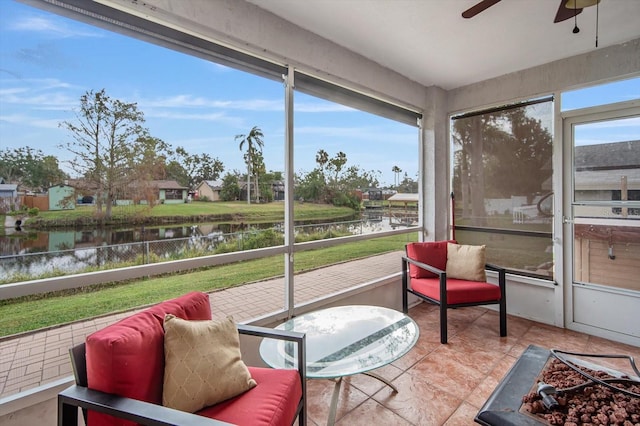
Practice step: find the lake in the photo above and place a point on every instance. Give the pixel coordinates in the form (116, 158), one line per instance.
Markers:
(32, 253)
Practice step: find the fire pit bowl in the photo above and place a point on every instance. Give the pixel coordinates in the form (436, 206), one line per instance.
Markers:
(527, 394)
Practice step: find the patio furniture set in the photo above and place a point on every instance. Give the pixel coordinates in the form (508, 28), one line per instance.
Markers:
(173, 365)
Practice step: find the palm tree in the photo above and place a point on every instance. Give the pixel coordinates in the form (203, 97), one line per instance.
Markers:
(254, 143)
(397, 170)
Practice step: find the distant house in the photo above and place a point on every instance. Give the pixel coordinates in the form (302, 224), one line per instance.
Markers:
(243, 190)
(278, 189)
(209, 189)
(157, 191)
(62, 197)
(170, 191)
(8, 197)
(608, 172)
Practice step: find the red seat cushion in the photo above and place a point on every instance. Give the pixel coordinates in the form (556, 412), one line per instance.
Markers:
(432, 253)
(273, 401)
(458, 291)
(127, 358)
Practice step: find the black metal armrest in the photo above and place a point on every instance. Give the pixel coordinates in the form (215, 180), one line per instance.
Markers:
(421, 265)
(502, 276)
(272, 333)
(292, 336)
(149, 414)
(300, 341)
(144, 413)
(492, 267)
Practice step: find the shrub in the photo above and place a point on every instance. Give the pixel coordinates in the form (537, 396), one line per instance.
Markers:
(34, 211)
(252, 240)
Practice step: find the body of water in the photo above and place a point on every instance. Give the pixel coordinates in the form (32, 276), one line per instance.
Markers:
(31, 254)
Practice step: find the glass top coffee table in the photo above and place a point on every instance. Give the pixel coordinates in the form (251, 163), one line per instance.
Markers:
(343, 341)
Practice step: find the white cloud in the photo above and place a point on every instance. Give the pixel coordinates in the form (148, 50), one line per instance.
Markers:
(43, 101)
(51, 26)
(213, 116)
(31, 121)
(191, 101)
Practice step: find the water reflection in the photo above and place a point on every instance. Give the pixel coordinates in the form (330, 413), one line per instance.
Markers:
(31, 253)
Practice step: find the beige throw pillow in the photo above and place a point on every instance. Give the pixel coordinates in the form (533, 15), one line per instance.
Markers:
(466, 262)
(202, 363)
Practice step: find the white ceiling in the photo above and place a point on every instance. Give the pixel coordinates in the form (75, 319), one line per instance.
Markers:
(429, 42)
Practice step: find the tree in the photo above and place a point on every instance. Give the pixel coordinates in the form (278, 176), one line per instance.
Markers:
(408, 185)
(150, 163)
(254, 143)
(198, 167)
(105, 137)
(336, 163)
(230, 190)
(176, 172)
(524, 157)
(396, 170)
(310, 186)
(30, 168)
(474, 135)
(331, 183)
(502, 154)
(322, 158)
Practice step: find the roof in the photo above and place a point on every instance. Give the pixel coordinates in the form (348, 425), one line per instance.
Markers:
(404, 197)
(607, 156)
(214, 184)
(166, 184)
(8, 187)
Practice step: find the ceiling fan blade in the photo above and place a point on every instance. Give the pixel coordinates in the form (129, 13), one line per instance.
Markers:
(565, 13)
(480, 7)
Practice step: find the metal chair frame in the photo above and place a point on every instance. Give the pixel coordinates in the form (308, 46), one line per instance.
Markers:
(442, 276)
(145, 413)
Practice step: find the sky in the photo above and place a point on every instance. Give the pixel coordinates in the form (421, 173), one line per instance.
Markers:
(47, 62)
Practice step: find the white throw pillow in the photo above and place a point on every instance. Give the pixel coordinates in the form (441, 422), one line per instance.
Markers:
(466, 262)
(203, 364)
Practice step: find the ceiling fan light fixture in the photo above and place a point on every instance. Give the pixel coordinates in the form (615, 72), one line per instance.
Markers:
(580, 4)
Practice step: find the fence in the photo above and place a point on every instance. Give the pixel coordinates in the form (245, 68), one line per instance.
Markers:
(28, 266)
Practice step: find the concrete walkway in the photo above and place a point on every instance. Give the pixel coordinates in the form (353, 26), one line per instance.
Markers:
(32, 359)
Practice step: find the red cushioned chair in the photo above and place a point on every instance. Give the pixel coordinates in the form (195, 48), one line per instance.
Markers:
(119, 374)
(424, 275)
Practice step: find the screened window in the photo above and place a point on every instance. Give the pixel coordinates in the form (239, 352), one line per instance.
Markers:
(353, 159)
(617, 91)
(219, 131)
(173, 194)
(502, 184)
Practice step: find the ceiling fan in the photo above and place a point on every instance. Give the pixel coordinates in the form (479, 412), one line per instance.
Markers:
(567, 9)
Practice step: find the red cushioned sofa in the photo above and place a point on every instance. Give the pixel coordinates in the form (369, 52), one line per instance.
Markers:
(119, 376)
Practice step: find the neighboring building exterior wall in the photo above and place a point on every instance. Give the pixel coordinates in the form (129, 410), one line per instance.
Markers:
(173, 196)
(61, 197)
(8, 197)
(209, 189)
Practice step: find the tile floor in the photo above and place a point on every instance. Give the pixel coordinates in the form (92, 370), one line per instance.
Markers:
(438, 384)
(446, 384)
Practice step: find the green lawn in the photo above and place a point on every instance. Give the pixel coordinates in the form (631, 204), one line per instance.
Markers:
(31, 313)
(236, 209)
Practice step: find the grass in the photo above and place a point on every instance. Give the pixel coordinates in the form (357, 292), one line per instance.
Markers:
(35, 312)
(229, 210)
